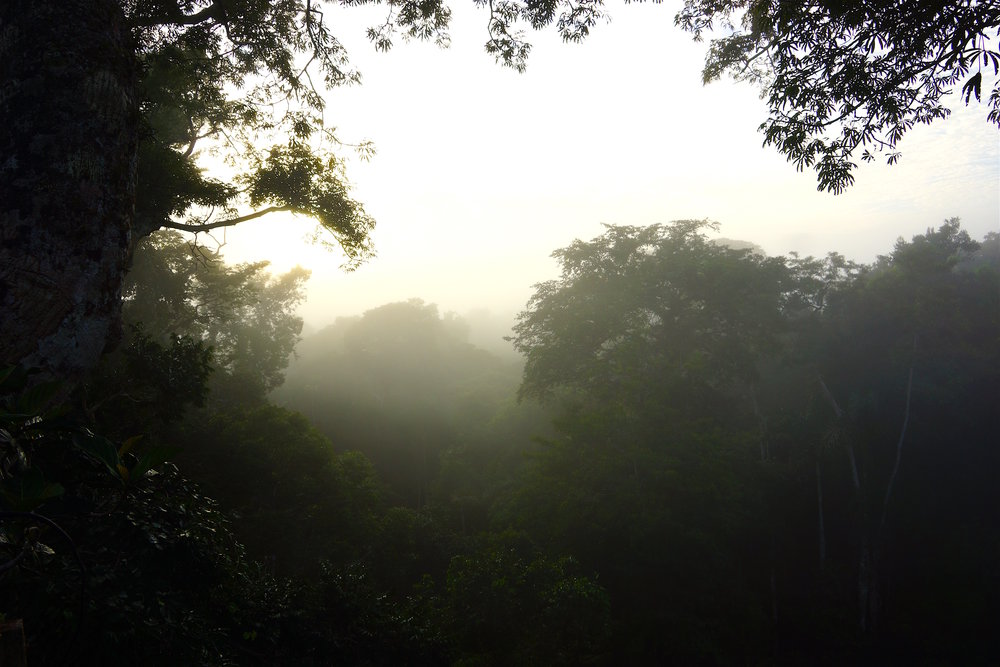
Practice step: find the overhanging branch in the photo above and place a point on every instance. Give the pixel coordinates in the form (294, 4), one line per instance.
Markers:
(213, 11)
(207, 226)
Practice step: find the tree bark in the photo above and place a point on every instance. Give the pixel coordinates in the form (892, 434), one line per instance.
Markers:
(69, 123)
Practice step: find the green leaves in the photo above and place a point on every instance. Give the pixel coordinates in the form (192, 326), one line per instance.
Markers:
(114, 458)
(29, 489)
(151, 458)
(298, 179)
(650, 316)
(100, 448)
(845, 77)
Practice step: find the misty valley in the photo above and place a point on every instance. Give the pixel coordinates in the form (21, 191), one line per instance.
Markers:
(683, 451)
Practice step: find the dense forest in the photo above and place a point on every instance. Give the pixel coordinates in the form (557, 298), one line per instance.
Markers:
(684, 451)
(701, 455)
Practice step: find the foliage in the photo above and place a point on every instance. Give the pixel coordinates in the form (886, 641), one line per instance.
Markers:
(144, 385)
(400, 384)
(215, 73)
(295, 500)
(506, 603)
(243, 314)
(919, 413)
(840, 77)
(111, 557)
(816, 426)
(369, 627)
(753, 460)
(642, 312)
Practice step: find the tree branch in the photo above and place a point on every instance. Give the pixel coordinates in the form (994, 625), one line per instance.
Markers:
(213, 11)
(829, 397)
(204, 227)
(850, 446)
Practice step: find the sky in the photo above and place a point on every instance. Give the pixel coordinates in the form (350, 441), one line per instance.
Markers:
(481, 172)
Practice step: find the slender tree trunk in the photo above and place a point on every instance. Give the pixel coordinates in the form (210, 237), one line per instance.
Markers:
(866, 575)
(68, 137)
(899, 451)
(869, 598)
(761, 426)
(874, 601)
(774, 583)
(819, 506)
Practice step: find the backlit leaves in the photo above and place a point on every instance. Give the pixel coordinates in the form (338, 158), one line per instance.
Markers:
(841, 77)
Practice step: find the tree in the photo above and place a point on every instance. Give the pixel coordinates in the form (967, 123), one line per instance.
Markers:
(507, 603)
(650, 342)
(297, 501)
(846, 76)
(70, 131)
(195, 328)
(242, 312)
(401, 384)
(105, 104)
(911, 408)
(641, 312)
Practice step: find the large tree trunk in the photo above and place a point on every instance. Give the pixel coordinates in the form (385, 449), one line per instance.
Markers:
(68, 138)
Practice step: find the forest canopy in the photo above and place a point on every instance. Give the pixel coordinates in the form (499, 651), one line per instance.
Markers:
(716, 471)
(706, 455)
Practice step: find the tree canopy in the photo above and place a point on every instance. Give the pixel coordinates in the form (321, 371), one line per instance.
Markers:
(659, 304)
(751, 460)
(240, 311)
(840, 77)
(725, 418)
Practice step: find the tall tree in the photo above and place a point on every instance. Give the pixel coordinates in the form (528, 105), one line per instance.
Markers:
(649, 339)
(638, 312)
(69, 130)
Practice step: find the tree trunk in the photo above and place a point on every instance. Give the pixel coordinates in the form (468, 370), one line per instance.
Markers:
(819, 505)
(68, 137)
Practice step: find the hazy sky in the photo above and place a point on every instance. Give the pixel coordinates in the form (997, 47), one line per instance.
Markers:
(482, 172)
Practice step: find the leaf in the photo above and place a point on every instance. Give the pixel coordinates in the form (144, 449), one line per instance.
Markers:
(35, 398)
(100, 448)
(28, 490)
(128, 444)
(150, 459)
(973, 85)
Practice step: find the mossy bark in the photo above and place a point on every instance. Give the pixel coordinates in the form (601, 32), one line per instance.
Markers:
(68, 137)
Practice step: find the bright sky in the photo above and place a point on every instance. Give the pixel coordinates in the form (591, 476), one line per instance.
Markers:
(482, 172)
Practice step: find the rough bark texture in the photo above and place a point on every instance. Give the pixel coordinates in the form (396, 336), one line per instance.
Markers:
(68, 137)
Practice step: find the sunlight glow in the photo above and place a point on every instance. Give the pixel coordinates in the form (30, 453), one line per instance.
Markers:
(481, 173)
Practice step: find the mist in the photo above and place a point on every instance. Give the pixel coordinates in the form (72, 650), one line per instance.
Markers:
(353, 335)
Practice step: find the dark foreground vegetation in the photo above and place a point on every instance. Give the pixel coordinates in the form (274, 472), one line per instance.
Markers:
(707, 456)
